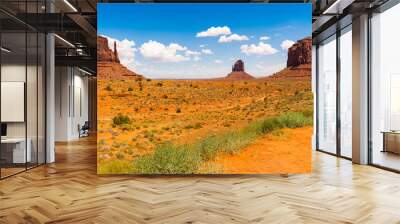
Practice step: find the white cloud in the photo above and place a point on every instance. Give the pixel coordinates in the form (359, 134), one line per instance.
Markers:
(192, 53)
(196, 58)
(265, 38)
(202, 45)
(286, 44)
(207, 51)
(233, 37)
(214, 31)
(260, 49)
(160, 52)
(218, 62)
(126, 51)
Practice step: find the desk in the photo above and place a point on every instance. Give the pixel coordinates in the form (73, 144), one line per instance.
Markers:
(13, 150)
(391, 141)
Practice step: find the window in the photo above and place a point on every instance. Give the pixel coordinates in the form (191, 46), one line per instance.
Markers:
(385, 89)
(346, 92)
(327, 95)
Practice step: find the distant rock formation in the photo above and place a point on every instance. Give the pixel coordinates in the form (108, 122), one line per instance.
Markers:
(108, 63)
(238, 72)
(238, 66)
(300, 53)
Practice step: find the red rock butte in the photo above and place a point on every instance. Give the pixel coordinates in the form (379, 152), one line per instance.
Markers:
(108, 63)
(298, 65)
(238, 72)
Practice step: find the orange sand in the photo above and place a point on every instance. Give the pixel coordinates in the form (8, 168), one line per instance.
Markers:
(287, 153)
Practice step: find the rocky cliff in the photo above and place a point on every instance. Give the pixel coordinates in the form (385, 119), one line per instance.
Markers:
(108, 63)
(298, 62)
(300, 53)
(104, 53)
(238, 72)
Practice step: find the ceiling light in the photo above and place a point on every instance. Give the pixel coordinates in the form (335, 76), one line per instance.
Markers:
(5, 50)
(64, 40)
(70, 5)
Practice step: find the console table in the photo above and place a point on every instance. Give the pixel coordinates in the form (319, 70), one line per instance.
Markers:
(391, 141)
(13, 150)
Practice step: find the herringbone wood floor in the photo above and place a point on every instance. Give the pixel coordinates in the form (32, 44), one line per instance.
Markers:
(69, 191)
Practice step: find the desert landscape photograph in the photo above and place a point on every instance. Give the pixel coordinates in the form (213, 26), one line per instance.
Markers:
(204, 89)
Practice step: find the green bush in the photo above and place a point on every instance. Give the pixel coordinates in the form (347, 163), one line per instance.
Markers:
(121, 119)
(307, 113)
(168, 159)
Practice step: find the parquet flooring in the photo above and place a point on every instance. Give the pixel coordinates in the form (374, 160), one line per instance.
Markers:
(70, 191)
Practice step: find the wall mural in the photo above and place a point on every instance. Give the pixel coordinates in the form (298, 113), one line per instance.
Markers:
(204, 88)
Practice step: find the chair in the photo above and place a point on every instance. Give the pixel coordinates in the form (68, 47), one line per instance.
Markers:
(84, 130)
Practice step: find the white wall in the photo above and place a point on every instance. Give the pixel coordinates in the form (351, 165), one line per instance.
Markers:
(71, 94)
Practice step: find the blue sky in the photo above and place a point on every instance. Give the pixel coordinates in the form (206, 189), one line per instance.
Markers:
(203, 40)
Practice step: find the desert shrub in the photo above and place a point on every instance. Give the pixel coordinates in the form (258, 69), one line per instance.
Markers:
(178, 110)
(108, 88)
(197, 125)
(168, 159)
(188, 126)
(148, 134)
(120, 155)
(159, 84)
(130, 89)
(129, 151)
(288, 120)
(121, 119)
(307, 112)
(115, 166)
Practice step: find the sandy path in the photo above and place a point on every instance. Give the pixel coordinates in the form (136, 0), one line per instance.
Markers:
(287, 153)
